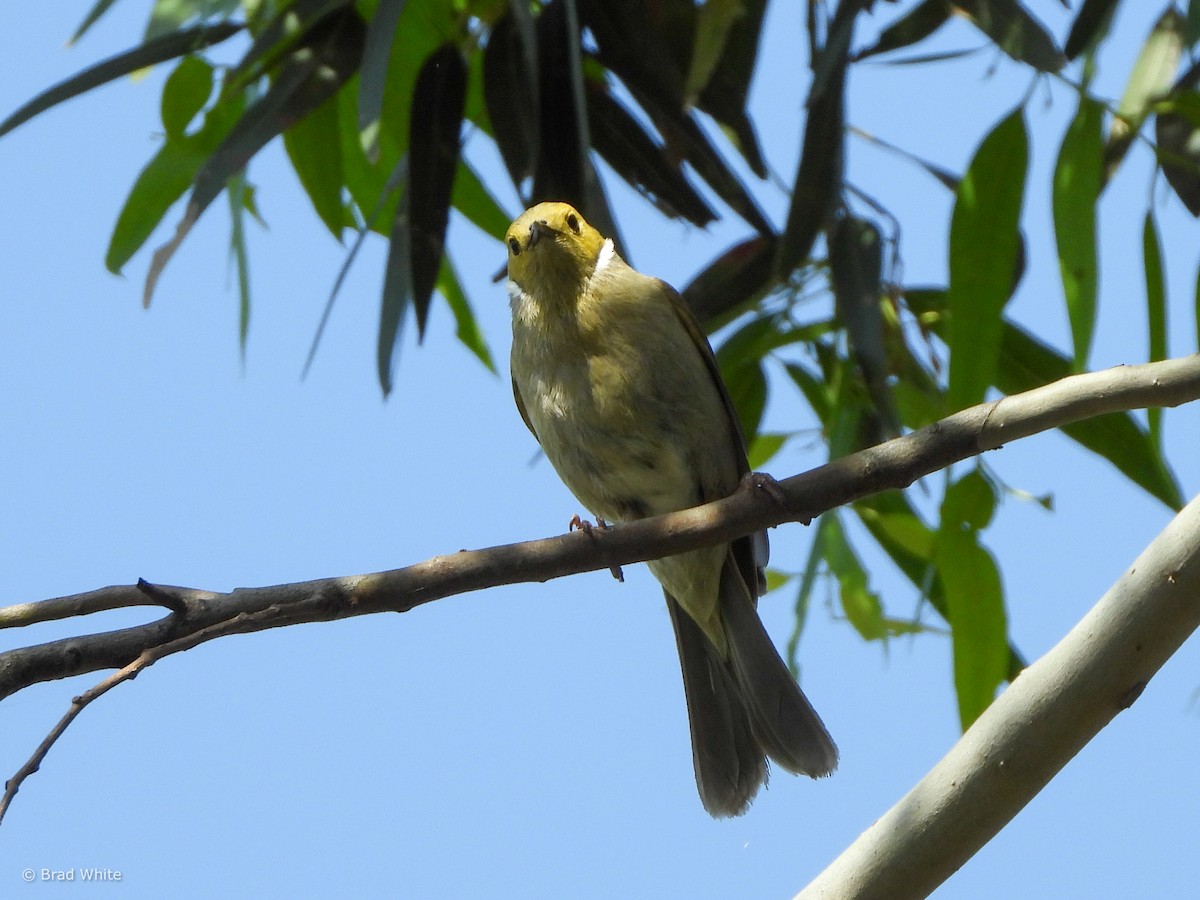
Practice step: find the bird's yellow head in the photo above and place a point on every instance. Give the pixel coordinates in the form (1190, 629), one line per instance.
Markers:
(552, 251)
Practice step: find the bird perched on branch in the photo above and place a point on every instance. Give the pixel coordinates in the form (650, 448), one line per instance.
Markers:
(620, 387)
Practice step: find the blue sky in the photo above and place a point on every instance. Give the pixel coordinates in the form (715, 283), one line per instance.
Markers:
(526, 741)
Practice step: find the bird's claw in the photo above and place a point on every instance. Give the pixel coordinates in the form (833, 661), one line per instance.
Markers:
(578, 523)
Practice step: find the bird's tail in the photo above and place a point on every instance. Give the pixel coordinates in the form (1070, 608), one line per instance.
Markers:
(787, 727)
(743, 708)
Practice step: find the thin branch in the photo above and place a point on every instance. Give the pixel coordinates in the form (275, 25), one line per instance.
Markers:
(145, 659)
(115, 597)
(1045, 717)
(892, 465)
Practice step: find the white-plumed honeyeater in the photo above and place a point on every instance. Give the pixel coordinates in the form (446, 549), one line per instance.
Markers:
(618, 384)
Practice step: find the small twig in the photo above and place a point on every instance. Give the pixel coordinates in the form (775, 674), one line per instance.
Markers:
(147, 658)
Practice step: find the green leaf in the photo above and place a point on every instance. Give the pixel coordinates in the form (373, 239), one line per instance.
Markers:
(1026, 362)
(466, 327)
(978, 622)
(170, 46)
(186, 91)
(913, 27)
(1078, 180)
(237, 192)
(1015, 31)
(475, 201)
(860, 604)
(315, 151)
(763, 449)
(984, 242)
(1148, 81)
(163, 181)
(1156, 310)
(329, 56)
(1192, 33)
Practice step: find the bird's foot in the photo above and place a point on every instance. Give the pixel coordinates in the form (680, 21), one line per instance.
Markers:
(761, 481)
(578, 523)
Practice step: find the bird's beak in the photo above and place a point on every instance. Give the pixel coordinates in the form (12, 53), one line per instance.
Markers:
(536, 231)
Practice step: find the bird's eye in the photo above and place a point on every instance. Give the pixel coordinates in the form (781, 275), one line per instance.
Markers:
(515, 246)
(573, 222)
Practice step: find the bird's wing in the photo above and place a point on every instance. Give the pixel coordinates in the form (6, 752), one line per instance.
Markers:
(521, 410)
(750, 553)
(696, 333)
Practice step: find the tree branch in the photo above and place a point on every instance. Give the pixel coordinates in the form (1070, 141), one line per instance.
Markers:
(892, 465)
(1046, 716)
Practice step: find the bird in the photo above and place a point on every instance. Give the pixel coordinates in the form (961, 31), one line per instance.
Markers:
(617, 382)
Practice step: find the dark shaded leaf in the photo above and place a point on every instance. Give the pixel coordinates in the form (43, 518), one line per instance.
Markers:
(372, 78)
(510, 94)
(1026, 362)
(984, 243)
(818, 180)
(856, 270)
(1177, 133)
(714, 21)
(93, 15)
(724, 97)
(1192, 34)
(1015, 31)
(437, 112)
(640, 161)
(1078, 180)
(1149, 80)
(562, 159)
(733, 280)
(1091, 22)
(685, 138)
(946, 178)
(159, 50)
(389, 197)
(647, 46)
(911, 28)
(747, 385)
(287, 31)
(1156, 310)
(329, 56)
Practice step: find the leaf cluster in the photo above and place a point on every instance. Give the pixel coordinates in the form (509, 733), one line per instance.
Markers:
(373, 100)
